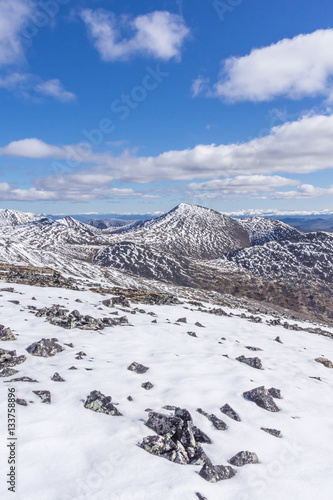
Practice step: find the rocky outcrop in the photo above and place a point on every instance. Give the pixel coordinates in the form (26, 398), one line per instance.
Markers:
(6, 334)
(56, 315)
(100, 403)
(45, 348)
(215, 473)
(9, 359)
(261, 397)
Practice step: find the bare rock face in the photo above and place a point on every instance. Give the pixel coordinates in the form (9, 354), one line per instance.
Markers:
(217, 422)
(254, 362)
(45, 348)
(6, 334)
(45, 396)
(243, 458)
(230, 412)
(96, 401)
(324, 361)
(215, 473)
(137, 368)
(261, 397)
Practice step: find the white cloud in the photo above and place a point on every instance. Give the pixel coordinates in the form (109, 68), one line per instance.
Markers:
(199, 85)
(243, 184)
(304, 191)
(13, 16)
(295, 68)
(54, 88)
(32, 148)
(158, 34)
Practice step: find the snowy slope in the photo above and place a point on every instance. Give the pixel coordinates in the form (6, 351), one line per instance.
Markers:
(263, 230)
(68, 452)
(14, 218)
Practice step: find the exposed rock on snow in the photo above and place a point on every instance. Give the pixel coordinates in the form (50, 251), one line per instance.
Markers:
(147, 386)
(21, 402)
(254, 362)
(9, 358)
(8, 372)
(57, 378)
(243, 458)
(324, 361)
(45, 396)
(45, 348)
(218, 423)
(121, 300)
(275, 393)
(215, 473)
(230, 412)
(273, 432)
(96, 401)
(6, 334)
(137, 368)
(261, 397)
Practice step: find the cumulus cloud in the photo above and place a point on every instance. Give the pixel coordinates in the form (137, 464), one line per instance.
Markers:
(158, 34)
(54, 88)
(295, 68)
(304, 191)
(243, 184)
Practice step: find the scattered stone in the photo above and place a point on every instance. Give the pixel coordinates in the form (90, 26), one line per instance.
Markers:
(130, 398)
(147, 385)
(218, 423)
(78, 300)
(9, 359)
(200, 436)
(45, 396)
(230, 412)
(22, 379)
(324, 361)
(96, 401)
(201, 497)
(6, 334)
(273, 432)
(244, 458)
(275, 393)
(154, 321)
(278, 340)
(121, 300)
(56, 378)
(261, 397)
(79, 355)
(137, 368)
(199, 325)
(253, 362)
(45, 348)
(39, 277)
(16, 302)
(192, 334)
(72, 368)
(181, 320)
(215, 473)
(8, 372)
(21, 402)
(250, 348)
(169, 407)
(317, 378)
(33, 298)
(70, 345)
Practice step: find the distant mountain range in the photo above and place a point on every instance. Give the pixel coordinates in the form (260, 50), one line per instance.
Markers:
(257, 258)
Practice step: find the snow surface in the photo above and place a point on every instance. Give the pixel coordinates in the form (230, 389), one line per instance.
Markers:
(68, 452)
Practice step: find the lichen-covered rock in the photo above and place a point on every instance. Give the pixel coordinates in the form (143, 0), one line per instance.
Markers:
(9, 359)
(243, 458)
(275, 393)
(217, 422)
(6, 334)
(147, 386)
(324, 361)
(22, 379)
(137, 368)
(230, 412)
(215, 473)
(57, 378)
(273, 432)
(100, 403)
(7, 372)
(158, 445)
(261, 397)
(165, 425)
(200, 436)
(253, 362)
(45, 348)
(45, 396)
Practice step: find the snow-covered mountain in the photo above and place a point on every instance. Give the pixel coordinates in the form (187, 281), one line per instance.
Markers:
(263, 230)
(109, 223)
(14, 218)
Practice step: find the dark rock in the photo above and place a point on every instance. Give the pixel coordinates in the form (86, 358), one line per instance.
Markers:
(273, 432)
(22, 379)
(201, 497)
(120, 300)
(165, 425)
(130, 398)
(78, 300)
(70, 345)
(21, 402)
(181, 320)
(45, 396)
(45, 348)
(158, 445)
(9, 359)
(218, 423)
(137, 368)
(324, 361)
(6, 334)
(275, 393)
(8, 372)
(147, 385)
(253, 362)
(56, 378)
(170, 407)
(261, 397)
(230, 412)
(250, 348)
(16, 302)
(96, 401)
(192, 334)
(72, 368)
(278, 340)
(154, 321)
(199, 325)
(243, 458)
(200, 436)
(215, 473)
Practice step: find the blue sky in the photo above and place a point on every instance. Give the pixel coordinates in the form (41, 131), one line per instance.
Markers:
(120, 106)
